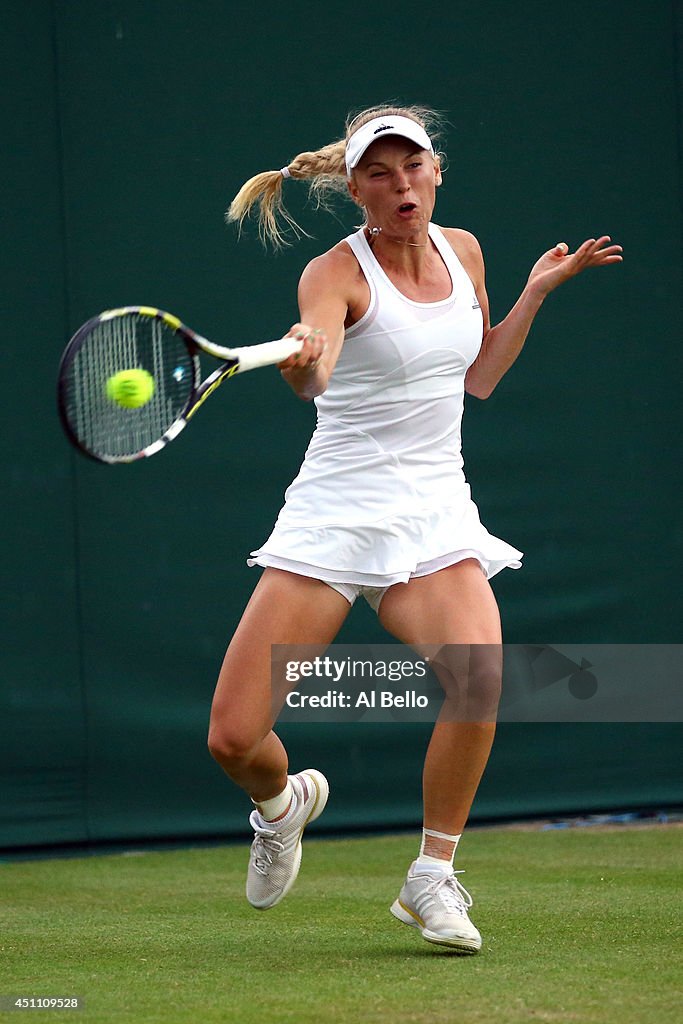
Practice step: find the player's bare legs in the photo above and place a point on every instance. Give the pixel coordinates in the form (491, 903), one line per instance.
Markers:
(284, 609)
(454, 606)
(453, 615)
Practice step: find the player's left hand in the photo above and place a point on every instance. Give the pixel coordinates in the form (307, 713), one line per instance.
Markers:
(558, 264)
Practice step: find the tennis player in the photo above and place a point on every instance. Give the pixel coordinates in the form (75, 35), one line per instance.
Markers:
(395, 329)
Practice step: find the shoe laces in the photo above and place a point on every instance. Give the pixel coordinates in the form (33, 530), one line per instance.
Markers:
(265, 849)
(451, 892)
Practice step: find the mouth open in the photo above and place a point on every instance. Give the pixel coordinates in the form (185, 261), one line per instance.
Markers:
(407, 207)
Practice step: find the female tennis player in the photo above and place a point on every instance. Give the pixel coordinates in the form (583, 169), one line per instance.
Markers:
(395, 329)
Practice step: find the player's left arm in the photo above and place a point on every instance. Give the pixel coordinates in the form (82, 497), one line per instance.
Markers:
(502, 344)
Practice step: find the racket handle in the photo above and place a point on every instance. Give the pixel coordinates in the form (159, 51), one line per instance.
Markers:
(253, 356)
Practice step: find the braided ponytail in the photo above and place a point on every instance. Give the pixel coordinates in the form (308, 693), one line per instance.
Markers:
(266, 190)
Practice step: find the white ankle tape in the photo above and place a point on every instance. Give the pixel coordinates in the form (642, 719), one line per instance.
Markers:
(277, 805)
(430, 833)
(439, 835)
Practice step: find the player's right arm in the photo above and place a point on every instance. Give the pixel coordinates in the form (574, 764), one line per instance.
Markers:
(325, 293)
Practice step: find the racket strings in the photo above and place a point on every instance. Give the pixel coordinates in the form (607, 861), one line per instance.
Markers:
(132, 341)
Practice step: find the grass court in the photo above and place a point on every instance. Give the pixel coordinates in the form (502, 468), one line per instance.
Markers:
(578, 926)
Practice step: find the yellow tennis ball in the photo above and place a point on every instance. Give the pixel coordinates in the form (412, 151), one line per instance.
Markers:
(130, 388)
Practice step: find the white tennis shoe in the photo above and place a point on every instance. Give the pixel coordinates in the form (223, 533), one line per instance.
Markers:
(436, 903)
(276, 849)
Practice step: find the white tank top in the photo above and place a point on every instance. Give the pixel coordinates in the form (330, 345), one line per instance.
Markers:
(381, 494)
(388, 431)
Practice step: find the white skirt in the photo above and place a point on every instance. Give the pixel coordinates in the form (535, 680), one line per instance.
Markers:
(391, 550)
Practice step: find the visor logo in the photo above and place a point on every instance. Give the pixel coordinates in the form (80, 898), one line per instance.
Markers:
(383, 128)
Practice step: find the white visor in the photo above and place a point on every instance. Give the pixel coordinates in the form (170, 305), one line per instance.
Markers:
(376, 129)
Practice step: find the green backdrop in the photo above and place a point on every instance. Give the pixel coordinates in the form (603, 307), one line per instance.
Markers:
(127, 127)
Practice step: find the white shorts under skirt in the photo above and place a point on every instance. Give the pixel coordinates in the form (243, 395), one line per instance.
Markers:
(372, 594)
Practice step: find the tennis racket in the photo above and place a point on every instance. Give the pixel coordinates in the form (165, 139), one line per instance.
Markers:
(110, 426)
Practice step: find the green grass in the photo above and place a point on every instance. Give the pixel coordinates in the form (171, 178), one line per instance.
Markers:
(578, 926)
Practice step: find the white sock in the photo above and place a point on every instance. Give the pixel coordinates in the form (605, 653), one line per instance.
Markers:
(444, 862)
(275, 806)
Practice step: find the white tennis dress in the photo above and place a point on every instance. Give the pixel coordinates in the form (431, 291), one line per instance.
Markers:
(381, 495)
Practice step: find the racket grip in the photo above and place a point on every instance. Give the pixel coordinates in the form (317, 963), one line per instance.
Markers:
(253, 356)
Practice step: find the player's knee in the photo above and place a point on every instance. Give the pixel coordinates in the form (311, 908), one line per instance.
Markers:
(471, 678)
(229, 746)
(484, 690)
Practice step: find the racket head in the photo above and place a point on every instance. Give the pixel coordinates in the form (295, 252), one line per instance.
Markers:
(129, 338)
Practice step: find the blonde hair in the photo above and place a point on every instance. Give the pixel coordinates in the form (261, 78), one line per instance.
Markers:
(324, 168)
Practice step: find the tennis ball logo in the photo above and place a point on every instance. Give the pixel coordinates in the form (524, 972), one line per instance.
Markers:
(130, 388)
